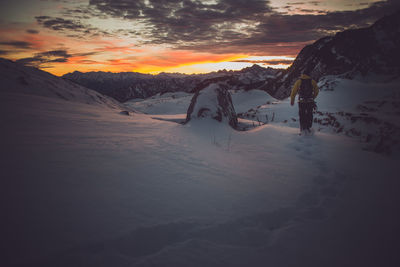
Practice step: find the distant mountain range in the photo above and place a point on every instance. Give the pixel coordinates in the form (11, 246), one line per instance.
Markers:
(372, 50)
(129, 85)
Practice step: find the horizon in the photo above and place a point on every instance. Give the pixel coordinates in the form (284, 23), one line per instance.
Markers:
(185, 37)
(181, 73)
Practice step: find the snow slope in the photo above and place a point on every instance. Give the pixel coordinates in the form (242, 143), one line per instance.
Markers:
(365, 108)
(168, 103)
(17, 78)
(178, 103)
(88, 186)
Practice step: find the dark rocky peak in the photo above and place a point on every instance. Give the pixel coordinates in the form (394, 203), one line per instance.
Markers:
(224, 71)
(371, 50)
(389, 23)
(254, 68)
(257, 69)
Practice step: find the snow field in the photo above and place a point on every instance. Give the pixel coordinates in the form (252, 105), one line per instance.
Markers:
(168, 103)
(91, 185)
(85, 185)
(79, 173)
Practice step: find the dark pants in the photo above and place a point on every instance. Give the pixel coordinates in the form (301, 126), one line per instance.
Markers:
(306, 115)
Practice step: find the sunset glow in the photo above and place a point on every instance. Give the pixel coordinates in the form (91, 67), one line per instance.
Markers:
(187, 37)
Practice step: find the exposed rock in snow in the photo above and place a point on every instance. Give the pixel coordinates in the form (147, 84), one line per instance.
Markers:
(213, 101)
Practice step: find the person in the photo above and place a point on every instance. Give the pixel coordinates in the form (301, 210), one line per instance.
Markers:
(307, 89)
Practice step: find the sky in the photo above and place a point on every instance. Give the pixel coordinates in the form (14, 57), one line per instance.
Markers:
(187, 36)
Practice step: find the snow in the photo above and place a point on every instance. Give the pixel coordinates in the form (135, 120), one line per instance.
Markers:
(365, 107)
(28, 80)
(168, 103)
(87, 186)
(107, 174)
(243, 100)
(348, 93)
(178, 103)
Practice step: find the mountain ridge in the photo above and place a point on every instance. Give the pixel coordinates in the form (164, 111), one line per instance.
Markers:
(124, 86)
(16, 78)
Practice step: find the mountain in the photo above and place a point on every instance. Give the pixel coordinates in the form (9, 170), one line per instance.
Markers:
(371, 50)
(129, 85)
(16, 78)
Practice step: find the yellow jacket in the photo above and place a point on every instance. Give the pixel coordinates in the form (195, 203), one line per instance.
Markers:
(296, 88)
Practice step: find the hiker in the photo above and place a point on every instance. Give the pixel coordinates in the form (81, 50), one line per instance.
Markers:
(307, 89)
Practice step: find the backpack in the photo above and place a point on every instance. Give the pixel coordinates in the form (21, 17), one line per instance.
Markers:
(306, 90)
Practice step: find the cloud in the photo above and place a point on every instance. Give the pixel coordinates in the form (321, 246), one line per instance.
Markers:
(181, 22)
(55, 53)
(85, 54)
(86, 62)
(17, 44)
(52, 56)
(296, 3)
(4, 52)
(127, 49)
(253, 49)
(250, 27)
(267, 62)
(315, 3)
(68, 26)
(234, 24)
(59, 24)
(163, 61)
(45, 59)
(31, 31)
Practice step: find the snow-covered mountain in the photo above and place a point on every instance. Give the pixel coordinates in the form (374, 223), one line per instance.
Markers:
(359, 52)
(16, 78)
(130, 85)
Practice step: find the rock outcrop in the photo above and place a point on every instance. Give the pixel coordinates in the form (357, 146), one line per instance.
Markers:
(213, 101)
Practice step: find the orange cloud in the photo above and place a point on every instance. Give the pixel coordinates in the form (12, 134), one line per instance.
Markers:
(115, 55)
(174, 58)
(122, 49)
(146, 62)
